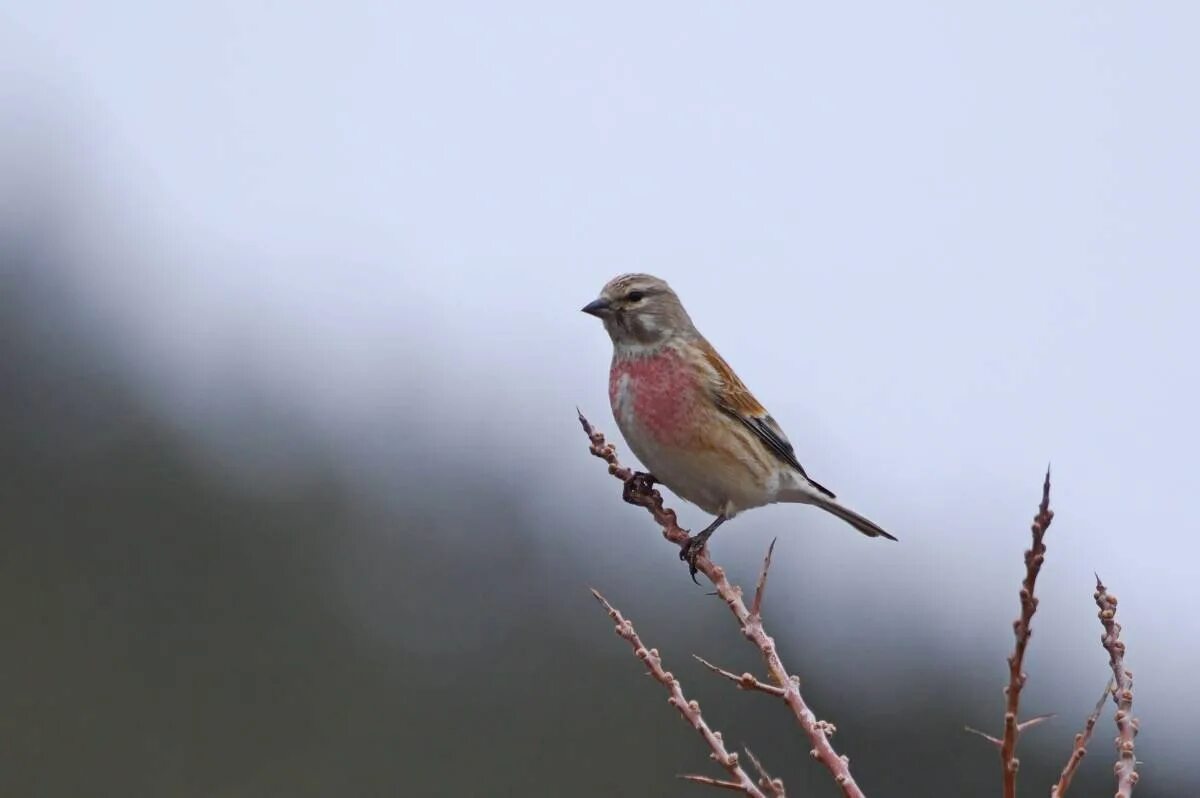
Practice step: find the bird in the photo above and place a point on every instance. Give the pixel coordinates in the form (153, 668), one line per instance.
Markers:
(690, 419)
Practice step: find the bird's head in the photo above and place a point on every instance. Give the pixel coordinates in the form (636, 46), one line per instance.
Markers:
(640, 310)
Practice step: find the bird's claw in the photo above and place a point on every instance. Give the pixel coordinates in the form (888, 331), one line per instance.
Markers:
(690, 551)
(640, 484)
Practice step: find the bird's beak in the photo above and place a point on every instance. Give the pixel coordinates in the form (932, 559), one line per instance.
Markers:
(598, 308)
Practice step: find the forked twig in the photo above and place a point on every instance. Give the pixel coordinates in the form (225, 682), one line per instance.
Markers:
(1127, 724)
(689, 710)
(638, 491)
(1023, 726)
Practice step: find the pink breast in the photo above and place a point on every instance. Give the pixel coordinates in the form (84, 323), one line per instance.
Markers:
(660, 392)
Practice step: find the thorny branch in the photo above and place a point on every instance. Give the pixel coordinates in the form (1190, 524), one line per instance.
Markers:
(1034, 557)
(1127, 724)
(689, 710)
(638, 490)
(1080, 749)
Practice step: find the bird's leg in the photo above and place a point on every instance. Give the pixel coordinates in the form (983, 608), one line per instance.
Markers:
(638, 484)
(689, 551)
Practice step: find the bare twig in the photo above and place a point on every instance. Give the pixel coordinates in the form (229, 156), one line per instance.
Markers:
(747, 681)
(638, 491)
(996, 741)
(1080, 749)
(689, 710)
(756, 607)
(1034, 557)
(1036, 720)
(1021, 727)
(709, 781)
(773, 787)
(1127, 725)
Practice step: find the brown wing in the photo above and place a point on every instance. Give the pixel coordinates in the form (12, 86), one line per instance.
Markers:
(734, 398)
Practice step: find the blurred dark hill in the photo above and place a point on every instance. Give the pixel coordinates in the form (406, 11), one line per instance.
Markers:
(173, 630)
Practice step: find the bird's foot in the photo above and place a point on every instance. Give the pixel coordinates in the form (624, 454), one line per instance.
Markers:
(690, 551)
(640, 484)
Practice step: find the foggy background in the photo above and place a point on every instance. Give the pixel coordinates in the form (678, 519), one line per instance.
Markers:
(295, 502)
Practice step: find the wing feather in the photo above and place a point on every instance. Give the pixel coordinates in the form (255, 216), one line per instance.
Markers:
(733, 398)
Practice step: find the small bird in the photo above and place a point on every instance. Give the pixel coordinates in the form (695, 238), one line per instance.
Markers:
(691, 421)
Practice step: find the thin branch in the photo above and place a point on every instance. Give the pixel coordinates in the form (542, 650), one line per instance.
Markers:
(1021, 727)
(709, 781)
(1080, 749)
(1034, 557)
(1036, 720)
(773, 787)
(746, 681)
(1127, 724)
(638, 491)
(756, 607)
(689, 710)
(996, 741)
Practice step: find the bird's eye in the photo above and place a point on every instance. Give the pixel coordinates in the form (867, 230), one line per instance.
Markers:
(635, 296)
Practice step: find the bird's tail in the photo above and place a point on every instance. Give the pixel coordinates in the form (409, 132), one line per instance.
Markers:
(830, 505)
